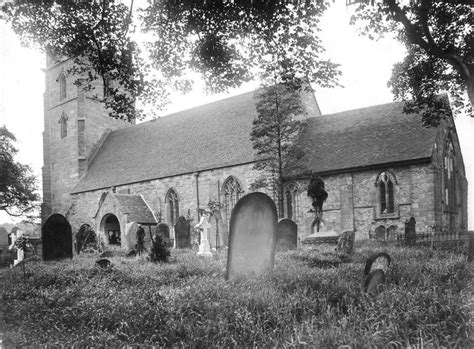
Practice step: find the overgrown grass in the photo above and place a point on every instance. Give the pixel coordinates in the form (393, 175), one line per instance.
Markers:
(313, 297)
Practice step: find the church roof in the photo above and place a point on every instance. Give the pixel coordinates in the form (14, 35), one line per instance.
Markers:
(362, 138)
(218, 135)
(206, 137)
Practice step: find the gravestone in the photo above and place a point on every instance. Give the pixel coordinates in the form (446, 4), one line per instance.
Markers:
(204, 226)
(103, 263)
(252, 236)
(410, 232)
(130, 236)
(470, 257)
(345, 243)
(377, 261)
(182, 232)
(374, 282)
(380, 232)
(56, 236)
(163, 231)
(287, 234)
(392, 232)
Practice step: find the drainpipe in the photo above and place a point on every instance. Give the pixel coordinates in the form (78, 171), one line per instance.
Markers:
(196, 175)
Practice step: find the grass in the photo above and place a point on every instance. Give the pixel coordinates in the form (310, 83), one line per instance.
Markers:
(312, 298)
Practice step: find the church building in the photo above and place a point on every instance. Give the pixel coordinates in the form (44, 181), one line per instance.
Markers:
(380, 166)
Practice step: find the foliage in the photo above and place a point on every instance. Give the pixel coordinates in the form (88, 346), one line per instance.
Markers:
(438, 36)
(18, 196)
(159, 250)
(312, 298)
(86, 239)
(279, 122)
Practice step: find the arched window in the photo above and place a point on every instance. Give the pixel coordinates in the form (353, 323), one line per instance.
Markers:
(449, 178)
(291, 202)
(62, 86)
(386, 192)
(172, 202)
(63, 125)
(231, 190)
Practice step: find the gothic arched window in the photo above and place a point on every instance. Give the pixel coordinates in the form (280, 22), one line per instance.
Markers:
(173, 206)
(231, 190)
(386, 192)
(291, 202)
(63, 125)
(62, 86)
(449, 178)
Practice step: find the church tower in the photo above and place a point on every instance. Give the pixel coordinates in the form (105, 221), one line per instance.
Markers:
(75, 124)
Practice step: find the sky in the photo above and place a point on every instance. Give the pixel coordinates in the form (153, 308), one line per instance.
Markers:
(366, 66)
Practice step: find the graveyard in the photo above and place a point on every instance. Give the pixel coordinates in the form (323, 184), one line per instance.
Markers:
(313, 296)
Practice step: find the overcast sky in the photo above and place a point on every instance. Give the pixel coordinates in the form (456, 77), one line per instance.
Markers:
(366, 67)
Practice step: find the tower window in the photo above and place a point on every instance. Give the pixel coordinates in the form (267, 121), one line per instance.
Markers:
(449, 178)
(63, 125)
(62, 87)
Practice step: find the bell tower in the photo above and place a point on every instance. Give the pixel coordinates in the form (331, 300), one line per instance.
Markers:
(75, 124)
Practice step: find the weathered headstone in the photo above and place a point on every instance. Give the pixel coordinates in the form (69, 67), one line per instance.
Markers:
(377, 261)
(392, 232)
(56, 236)
(182, 232)
(470, 257)
(410, 232)
(163, 231)
(252, 236)
(204, 226)
(103, 263)
(380, 232)
(130, 236)
(374, 282)
(287, 234)
(345, 243)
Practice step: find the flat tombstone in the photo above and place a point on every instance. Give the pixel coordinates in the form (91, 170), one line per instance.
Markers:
(163, 231)
(287, 234)
(252, 236)
(130, 236)
(410, 232)
(56, 235)
(182, 232)
(380, 233)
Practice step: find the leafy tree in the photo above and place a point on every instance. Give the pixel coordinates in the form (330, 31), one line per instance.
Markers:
(273, 133)
(439, 40)
(227, 42)
(18, 196)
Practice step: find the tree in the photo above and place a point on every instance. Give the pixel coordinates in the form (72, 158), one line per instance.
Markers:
(227, 42)
(18, 196)
(273, 134)
(438, 35)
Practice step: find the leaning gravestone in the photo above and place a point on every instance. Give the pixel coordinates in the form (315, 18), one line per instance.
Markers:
(182, 232)
(374, 282)
(345, 243)
(287, 234)
(410, 232)
(163, 231)
(377, 261)
(56, 236)
(252, 236)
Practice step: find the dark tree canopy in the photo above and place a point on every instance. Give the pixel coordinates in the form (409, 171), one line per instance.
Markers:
(227, 42)
(18, 196)
(438, 35)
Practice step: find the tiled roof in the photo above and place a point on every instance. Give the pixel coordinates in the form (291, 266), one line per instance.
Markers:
(376, 135)
(136, 208)
(205, 137)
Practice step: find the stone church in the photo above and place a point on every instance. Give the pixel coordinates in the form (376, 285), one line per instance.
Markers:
(380, 166)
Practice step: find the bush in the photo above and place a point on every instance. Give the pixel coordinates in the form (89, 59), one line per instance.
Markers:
(159, 250)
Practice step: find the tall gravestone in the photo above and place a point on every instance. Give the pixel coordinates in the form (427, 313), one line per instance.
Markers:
(56, 235)
(410, 232)
(163, 231)
(130, 236)
(287, 234)
(252, 236)
(182, 233)
(380, 232)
